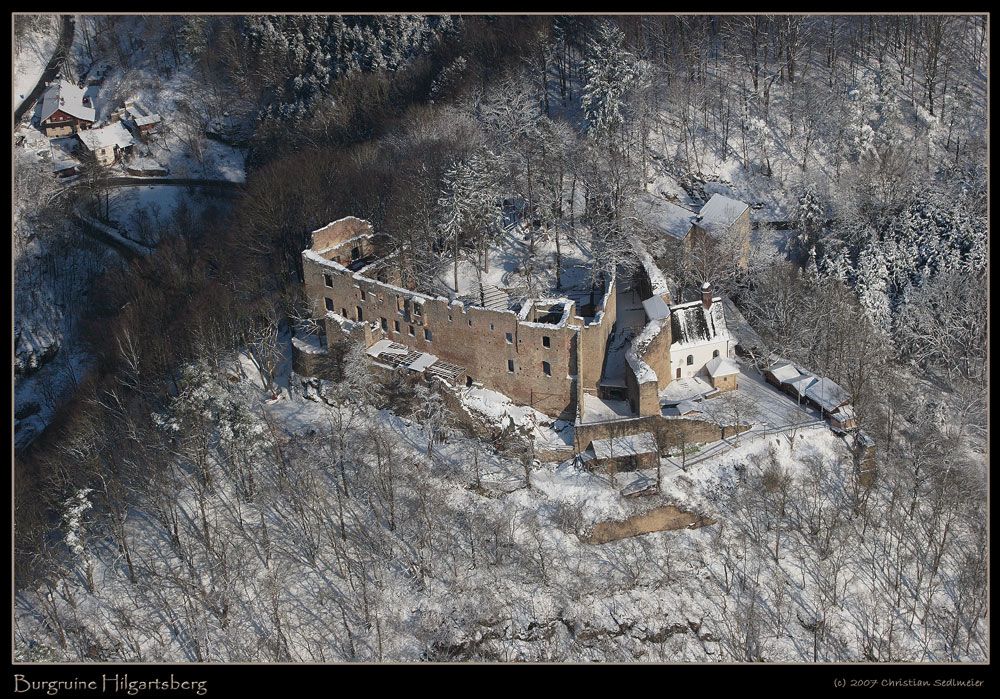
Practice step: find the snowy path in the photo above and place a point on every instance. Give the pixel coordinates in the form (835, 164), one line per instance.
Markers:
(65, 41)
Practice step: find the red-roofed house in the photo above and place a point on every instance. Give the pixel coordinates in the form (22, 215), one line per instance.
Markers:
(65, 110)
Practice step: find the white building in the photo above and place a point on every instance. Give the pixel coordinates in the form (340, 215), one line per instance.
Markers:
(699, 334)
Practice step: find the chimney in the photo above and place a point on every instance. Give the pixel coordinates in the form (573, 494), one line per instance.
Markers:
(706, 295)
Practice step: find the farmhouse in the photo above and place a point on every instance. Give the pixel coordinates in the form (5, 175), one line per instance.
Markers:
(65, 110)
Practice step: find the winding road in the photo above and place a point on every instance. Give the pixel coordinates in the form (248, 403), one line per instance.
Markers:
(52, 69)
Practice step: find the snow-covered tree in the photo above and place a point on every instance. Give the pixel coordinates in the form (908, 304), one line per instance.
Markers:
(608, 73)
(470, 204)
(432, 414)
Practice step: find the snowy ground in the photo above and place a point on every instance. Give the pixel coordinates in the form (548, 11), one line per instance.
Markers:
(509, 268)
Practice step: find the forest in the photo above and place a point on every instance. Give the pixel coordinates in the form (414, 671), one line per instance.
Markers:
(167, 515)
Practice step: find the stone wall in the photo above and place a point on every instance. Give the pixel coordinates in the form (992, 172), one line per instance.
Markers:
(674, 432)
(532, 363)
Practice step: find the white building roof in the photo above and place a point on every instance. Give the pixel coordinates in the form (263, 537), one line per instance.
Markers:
(720, 213)
(387, 346)
(722, 366)
(147, 120)
(422, 362)
(67, 97)
(642, 443)
(112, 135)
(827, 394)
(784, 372)
(844, 413)
(656, 308)
(801, 383)
(685, 407)
(665, 216)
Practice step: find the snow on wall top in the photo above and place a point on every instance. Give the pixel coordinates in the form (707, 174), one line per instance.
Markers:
(67, 97)
(657, 279)
(351, 226)
(111, 135)
(692, 325)
(720, 213)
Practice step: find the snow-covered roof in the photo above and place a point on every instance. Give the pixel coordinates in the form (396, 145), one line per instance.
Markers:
(722, 366)
(827, 394)
(656, 308)
(844, 413)
(784, 372)
(801, 383)
(147, 119)
(720, 213)
(67, 97)
(685, 407)
(692, 325)
(663, 215)
(642, 443)
(387, 346)
(422, 362)
(111, 135)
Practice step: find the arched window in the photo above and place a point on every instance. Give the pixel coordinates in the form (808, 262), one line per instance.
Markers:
(690, 359)
(715, 354)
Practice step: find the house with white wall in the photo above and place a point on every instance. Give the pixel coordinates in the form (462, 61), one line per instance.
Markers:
(699, 334)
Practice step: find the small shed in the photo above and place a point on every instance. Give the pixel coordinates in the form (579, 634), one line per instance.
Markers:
(627, 453)
(826, 395)
(780, 373)
(723, 372)
(843, 418)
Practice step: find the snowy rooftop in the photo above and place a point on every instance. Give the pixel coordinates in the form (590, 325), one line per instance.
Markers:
(801, 383)
(720, 213)
(692, 325)
(66, 97)
(784, 372)
(656, 308)
(686, 389)
(845, 412)
(685, 407)
(146, 120)
(597, 409)
(664, 216)
(642, 443)
(111, 135)
(722, 366)
(827, 394)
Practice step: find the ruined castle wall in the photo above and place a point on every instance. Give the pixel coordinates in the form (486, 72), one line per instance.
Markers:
(494, 347)
(594, 338)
